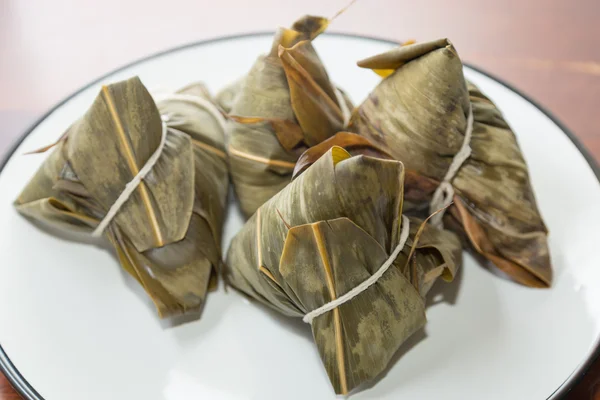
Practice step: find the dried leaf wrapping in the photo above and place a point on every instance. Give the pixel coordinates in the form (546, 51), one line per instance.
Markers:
(352, 143)
(326, 232)
(227, 95)
(196, 115)
(419, 115)
(285, 104)
(167, 234)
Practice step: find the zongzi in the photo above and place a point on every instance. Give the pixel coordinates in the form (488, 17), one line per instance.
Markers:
(156, 191)
(456, 144)
(320, 249)
(284, 105)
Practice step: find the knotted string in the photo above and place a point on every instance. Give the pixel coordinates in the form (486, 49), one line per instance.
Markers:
(308, 318)
(443, 195)
(132, 185)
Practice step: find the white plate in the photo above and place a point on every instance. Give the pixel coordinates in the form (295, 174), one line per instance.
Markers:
(76, 326)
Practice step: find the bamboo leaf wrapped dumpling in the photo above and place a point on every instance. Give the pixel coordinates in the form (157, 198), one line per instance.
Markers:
(285, 104)
(419, 113)
(329, 230)
(167, 232)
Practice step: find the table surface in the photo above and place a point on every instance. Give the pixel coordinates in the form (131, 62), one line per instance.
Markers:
(548, 49)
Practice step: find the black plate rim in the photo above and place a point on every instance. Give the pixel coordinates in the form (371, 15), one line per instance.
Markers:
(27, 391)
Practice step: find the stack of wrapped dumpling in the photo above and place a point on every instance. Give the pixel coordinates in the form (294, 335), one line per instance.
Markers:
(353, 213)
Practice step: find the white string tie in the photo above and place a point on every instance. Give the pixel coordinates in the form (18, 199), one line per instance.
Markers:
(308, 318)
(132, 185)
(443, 195)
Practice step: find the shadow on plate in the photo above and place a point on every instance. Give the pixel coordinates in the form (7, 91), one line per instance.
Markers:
(132, 284)
(441, 292)
(488, 266)
(293, 325)
(445, 292)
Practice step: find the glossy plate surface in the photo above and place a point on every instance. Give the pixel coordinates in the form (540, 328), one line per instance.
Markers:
(73, 325)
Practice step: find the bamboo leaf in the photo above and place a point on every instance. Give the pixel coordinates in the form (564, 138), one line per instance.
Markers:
(419, 115)
(279, 109)
(312, 95)
(350, 142)
(328, 231)
(125, 123)
(337, 324)
(288, 133)
(185, 193)
(310, 26)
